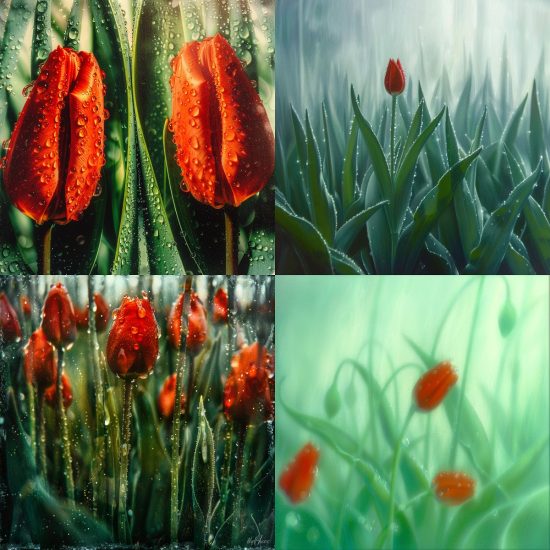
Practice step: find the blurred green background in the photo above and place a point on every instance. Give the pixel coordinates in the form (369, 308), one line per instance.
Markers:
(379, 321)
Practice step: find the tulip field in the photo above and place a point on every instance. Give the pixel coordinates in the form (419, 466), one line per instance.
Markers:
(425, 423)
(137, 411)
(394, 157)
(137, 137)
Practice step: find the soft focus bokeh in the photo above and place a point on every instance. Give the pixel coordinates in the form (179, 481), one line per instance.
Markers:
(324, 320)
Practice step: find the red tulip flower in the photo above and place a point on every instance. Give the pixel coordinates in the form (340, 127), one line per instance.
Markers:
(453, 488)
(167, 398)
(434, 385)
(225, 144)
(248, 395)
(25, 305)
(66, 392)
(394, 81)
(197, 324)
(220, 306)
(102, 311)
(10, 329)
(58, 318)
(133, 343)
(40, 360)
(297, 478)
(56, 152)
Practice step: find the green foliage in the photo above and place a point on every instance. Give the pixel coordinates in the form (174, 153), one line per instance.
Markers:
(448, 205)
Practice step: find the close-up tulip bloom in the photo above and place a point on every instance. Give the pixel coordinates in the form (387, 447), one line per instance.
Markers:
(225, 144)
(196, 324)
(40, 360)
(453, 488)
(133, 346)
(102, 311)
(167, 398)
(394, 81)
(297, 479)
(58, 317)
(10, 329)
(248, 395)
(67, 393)
(220, 309)
(56, 150)
(434, 385)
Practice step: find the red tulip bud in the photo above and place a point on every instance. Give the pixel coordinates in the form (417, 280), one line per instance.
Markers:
(102, 311)
(225, 144)
(220, 307)
(133, 346)
(10, 329)
(434, 385)
(26, 307)
(67, 392)
(394, 81)
(197, 325)
(58, 318)
(297, 478)
(56, 153)
(248, 389)
(40, 360)
(167, 398)
(453, 488)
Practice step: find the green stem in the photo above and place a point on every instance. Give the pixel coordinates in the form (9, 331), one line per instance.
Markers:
(44, 234)
(231, 241)
(41, 436)
(227, 451)
(469, 351)
(123, 531)
(66, 459)
(393, 229)
(31, 395)
(237, 527)
(395, 464)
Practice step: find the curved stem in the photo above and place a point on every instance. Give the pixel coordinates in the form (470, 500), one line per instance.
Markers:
(231, 241)
(473, 328)
(395, 464)
(66, 459)
(44, 233)
(123, 531)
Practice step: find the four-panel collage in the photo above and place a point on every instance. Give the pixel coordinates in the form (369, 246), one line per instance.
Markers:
(191, 189)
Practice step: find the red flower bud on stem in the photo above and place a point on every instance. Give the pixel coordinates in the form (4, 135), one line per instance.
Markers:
(434, 385)
(10, 329)
(26, 307)
(102, 311)
(453, 488)
(197, 326)
(56, 152)
(248, 390)
(40, 360)
(58, 318)
(167, 398)
(394, 81)
(297, 478)
(221, 308)
(133, 346)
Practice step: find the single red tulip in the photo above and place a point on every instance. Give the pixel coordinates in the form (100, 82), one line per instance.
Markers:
(58, 318)
(40, 360)
(220, 306)
(394, 81)
(10, 329)
(102, 311)
(434, 385)
(225, 144)
(26, 307)
(453, 488)
(248, 395)
(167, 398)
(55, 153)
(197, 325)
(133, 343)
(297, 478)
(67, 392)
